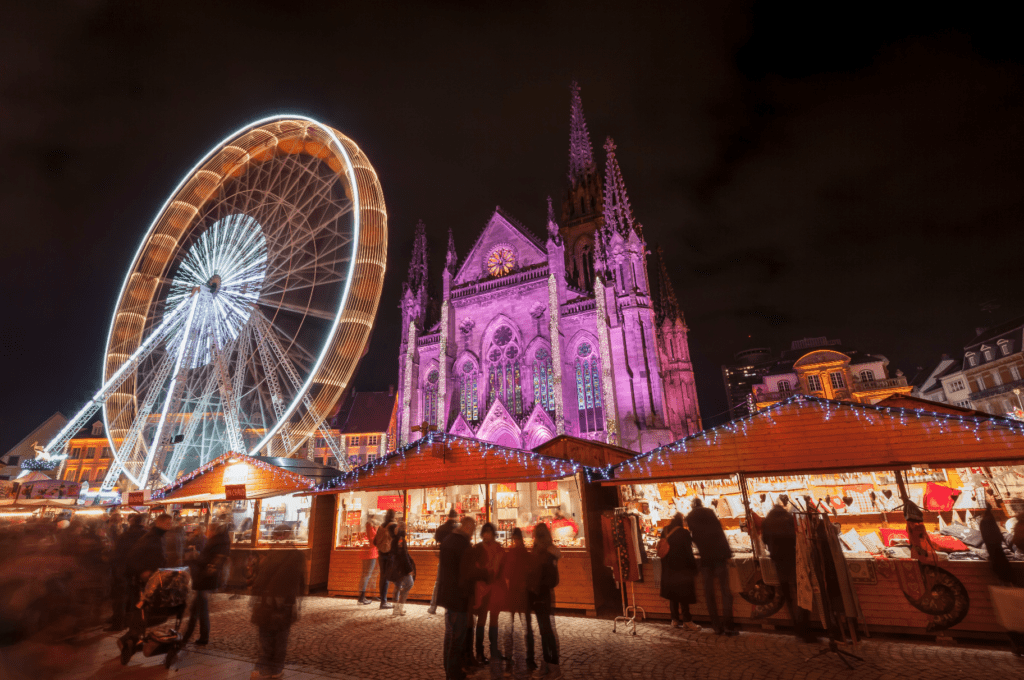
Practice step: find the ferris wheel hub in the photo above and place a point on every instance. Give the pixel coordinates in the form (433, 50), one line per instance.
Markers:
(214, 283)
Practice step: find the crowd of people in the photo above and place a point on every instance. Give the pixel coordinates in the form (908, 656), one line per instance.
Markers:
(477, 585)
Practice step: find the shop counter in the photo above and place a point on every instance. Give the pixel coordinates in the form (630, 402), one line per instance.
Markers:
(575, 589)
(877, 585)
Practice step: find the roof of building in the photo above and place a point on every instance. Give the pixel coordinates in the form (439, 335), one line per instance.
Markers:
(785, 365)
(995, 332)
(52, 424)
(365, 412)
(803, 435)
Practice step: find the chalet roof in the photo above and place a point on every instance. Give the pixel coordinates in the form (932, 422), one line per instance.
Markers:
(807, 434)
(917, 403)
(586, 451)
(270, 477)
(447, 460)
(366, 412)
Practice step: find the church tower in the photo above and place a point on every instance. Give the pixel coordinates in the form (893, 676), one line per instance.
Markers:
(582, 206)
(679, 388)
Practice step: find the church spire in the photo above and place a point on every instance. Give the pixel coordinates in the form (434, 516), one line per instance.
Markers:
(450, 259)
(417, 280)
(618, 214)
(667, 304)
(553, 225)
(581, 153)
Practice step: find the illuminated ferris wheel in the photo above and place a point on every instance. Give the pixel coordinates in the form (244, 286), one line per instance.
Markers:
(247, 306)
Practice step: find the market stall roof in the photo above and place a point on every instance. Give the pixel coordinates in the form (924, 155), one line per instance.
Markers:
(262, 477)
(807, 434)
(446, 460)
(585, 451)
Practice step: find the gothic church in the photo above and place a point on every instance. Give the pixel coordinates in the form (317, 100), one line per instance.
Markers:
(536, 338)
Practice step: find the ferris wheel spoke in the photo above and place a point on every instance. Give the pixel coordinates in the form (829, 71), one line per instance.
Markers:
(194, 421)
(227, 398)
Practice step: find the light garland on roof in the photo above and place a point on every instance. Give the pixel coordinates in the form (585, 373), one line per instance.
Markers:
(865, 412)
(278, 472)
(551, 468)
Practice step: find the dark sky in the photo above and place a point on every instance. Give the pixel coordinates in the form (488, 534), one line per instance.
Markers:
(846, 170)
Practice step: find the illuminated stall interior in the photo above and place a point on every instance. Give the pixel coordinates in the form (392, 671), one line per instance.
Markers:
(845, 460)
(508, 487)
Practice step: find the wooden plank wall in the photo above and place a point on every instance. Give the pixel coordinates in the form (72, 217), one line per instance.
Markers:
(808, 435)
(321, 540)
(884, 605)
(575, 589)
(257, 481)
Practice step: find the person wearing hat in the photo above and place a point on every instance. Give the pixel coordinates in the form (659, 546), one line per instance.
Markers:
(442, 533)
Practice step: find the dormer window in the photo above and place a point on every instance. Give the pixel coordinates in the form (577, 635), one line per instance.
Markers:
(988, 353)
(1004, 347)
(972, 359)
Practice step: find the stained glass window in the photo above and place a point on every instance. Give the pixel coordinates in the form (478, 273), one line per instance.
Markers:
(588, 389)
(505, 371)
(468, 403)
(544, 380)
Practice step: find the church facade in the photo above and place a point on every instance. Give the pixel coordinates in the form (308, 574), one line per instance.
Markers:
(536, 337)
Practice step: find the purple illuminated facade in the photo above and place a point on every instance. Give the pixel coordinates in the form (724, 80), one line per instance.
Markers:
(481, 361)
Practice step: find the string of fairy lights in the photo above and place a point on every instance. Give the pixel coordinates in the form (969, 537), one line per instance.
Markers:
(944, 422)
(553, 468)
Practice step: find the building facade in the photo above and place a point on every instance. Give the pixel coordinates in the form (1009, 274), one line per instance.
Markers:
(993, 368)
(741, 376)
(366, 424)
(88, 456)
(539, 337)
(824, 368)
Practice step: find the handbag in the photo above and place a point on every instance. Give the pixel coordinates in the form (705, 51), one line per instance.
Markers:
(663, 546)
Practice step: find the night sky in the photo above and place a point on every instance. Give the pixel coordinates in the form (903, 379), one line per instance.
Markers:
(845, 171)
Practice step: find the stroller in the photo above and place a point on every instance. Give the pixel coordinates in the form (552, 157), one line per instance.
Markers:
(165, 595)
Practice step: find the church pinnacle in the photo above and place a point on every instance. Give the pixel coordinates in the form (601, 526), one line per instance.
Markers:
(581, 153)
(667, 304)
(451, 259)
(618, 214)
(417, 280)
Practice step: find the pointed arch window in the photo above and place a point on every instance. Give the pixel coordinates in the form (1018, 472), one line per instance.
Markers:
(430, 399)
(588, 389)
(468, 395)
(544, 380)
(504, 371)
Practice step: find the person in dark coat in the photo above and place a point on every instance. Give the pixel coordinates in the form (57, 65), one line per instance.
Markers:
(996, 544)
(118, 572)
(442, 533)
(709, 537)
(386, 531)
(455, 593)
(678, 571)
(206, 579)
(779, 534)
(402, 570)
(542, 579)
(279, 581)
(144, 559)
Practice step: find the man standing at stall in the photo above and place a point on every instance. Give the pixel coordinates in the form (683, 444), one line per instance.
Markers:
(455, 592)
(442, 533)
(715, 552)
(779, 533)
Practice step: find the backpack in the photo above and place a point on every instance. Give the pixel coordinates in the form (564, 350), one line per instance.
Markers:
(382, 541)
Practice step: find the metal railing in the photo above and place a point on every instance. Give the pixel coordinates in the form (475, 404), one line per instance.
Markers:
(864, 385)
(998, 389)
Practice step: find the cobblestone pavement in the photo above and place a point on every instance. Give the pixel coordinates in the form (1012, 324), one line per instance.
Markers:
(335, 638)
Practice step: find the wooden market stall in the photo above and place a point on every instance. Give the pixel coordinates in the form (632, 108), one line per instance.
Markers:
(261, 496)
(849, 460)
(509, 487)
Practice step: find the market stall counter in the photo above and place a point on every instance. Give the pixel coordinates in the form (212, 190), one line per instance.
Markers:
(853, 467)
(511, 488)
(267, 502)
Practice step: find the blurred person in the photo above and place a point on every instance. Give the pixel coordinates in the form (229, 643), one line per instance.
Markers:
(402, 570)
(513, 575)
(206, 578)
(709, 537)
(442, 533)
(542, 579)
(195, 541)
(384, 539)
(119, 587)
(488, 556)
(144, 559)
(455, 593)
(369, 555)
(174, 542)
(779, 534)
(997, 546)
(678, 570)
(279, 582)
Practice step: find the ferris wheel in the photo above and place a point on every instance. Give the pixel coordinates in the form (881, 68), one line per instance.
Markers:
(247, 305)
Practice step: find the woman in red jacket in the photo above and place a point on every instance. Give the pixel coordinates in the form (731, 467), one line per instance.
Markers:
(369, 555)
